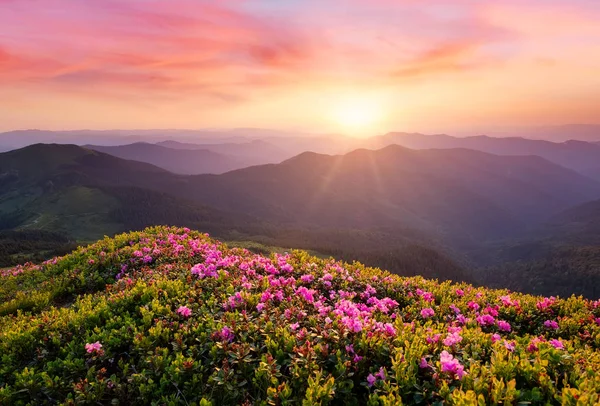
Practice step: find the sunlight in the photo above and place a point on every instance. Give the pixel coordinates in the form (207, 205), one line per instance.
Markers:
(357, 114)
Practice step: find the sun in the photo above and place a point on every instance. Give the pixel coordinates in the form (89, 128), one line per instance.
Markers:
(356, 115)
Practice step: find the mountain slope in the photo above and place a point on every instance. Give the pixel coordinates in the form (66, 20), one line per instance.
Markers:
(169, 316)
(458, 192)
(583, 157)
(576, 225)
(181, 161)
(86, 194)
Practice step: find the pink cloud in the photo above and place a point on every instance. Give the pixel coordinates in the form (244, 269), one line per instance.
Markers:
(235, 51)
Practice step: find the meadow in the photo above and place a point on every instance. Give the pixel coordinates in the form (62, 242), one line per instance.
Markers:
(169, 316)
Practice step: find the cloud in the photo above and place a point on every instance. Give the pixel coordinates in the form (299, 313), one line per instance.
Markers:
(243, 51)
(443, 58)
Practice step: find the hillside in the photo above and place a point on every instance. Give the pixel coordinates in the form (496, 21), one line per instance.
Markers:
(169, 316)
(557, 269)
(181, 161)
(462, 194)
(70, 193)
(434, 213)
(86, 194)
(583, 157)
(578, 225)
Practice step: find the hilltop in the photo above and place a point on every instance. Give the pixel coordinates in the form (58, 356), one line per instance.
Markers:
(171, 316)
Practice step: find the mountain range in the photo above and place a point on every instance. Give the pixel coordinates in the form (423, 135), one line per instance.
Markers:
(181, 161)
(583, 157)
(436, 212)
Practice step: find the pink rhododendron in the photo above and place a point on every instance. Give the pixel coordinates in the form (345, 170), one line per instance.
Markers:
(93, 347)
(546, 303)
(452, 339)
(509, 345)
(485, 320)
(184, 311)
(451, 365)
(427, 313)
(227, 334)
(551, 324)
(503, 325)
(533, 345)
(433, 339)
(473, 305)
(557, 344)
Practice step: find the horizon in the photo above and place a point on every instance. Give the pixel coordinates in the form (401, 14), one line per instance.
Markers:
(357, 68)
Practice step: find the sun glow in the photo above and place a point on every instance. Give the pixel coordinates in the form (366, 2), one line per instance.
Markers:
(357, 115)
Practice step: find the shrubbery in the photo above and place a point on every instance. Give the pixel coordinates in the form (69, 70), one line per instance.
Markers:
(169, 316)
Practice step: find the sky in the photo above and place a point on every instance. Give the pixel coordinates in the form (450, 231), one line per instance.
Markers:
(346, 66)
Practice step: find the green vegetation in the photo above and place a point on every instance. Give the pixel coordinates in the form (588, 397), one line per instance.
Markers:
(169, 316)
(19, 247)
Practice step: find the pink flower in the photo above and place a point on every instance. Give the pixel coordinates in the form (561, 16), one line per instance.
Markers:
(427, 313)
(452, 339)
(381, 374)
(294, 326)
(473, 306)
(557, 344)
(184, 311)
(533, 345)
(371, 380)
(485, 320)
(308, 278)
(451, 365)
(460, 292)
(93, 347)
(509, 345)
(462, 319)
(423, 364)
(260, 307)
(227, 334)
(551, 324)
(503, 325)
(433, 339)
(545, 303)
(496, 337)
(389, 329)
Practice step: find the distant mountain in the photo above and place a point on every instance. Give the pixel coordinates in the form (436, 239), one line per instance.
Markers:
(560, 133)
(580, 156)
(412, 211)
(456, 192)
(21, 138)
(85, 194)
(253, 152)
(181, 161)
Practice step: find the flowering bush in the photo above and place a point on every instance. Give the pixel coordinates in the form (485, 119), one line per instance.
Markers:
(170, 316)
